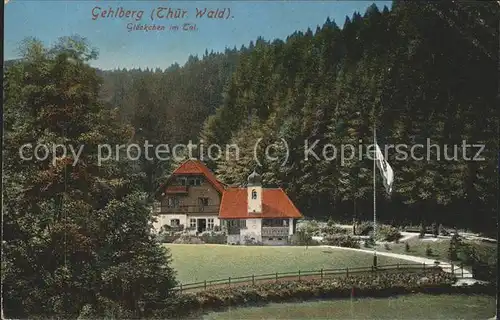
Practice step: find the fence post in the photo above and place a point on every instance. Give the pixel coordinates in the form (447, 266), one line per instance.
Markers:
(424, 265)
(462, 266)
(452, 269)
(321, 273)
(229, 281)
(205, 284)
(299, 275)
(180, 287)
(347, 272)
(276, 277)
(253, 279)
(397, 265)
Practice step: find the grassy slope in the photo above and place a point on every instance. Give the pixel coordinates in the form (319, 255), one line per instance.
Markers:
(209, 262)
(403, 307)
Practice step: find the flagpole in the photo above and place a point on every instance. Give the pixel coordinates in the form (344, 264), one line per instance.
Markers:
(374, 196)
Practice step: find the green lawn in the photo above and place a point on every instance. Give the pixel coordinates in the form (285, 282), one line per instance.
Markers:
(403, 307)
(439, 248)
(209, 262)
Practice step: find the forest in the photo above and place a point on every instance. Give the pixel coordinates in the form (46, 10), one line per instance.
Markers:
(77, 239)
(419, 71)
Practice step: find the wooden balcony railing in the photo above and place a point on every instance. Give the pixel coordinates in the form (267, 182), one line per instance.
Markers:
(190, 209)
(275, 231)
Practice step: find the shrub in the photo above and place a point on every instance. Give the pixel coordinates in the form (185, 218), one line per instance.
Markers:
(329, 230)
(188, 239)
(407, 247)
(214, 237)
(453, 249)
(363, 228)
(428, 250)
(442, 231)
(169, 237)
(368, 243)
(422, 231)
(435, 230)
(302, 238)
(330, 223)
(379, 284)
(387, 247)
(341, 240)
(388, 233)
(217, 228)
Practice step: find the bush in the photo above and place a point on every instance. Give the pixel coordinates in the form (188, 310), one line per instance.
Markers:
(379, 284)
(214, 237)
(442, 231)
(422, 231)
(435, 230)
(341, 240)
(330, 223)
(388, 233)
(407, 247)
(368, 243)
(329, 230)
(302, 238)
(454, 246)
(428, 250)
(363, 228)
(387, 247)
(169, 237)
(188, 239)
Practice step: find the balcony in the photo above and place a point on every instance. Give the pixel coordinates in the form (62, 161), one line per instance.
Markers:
(186, 209)
(275, 231)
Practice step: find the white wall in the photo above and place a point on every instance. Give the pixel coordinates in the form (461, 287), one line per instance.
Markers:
(215, 217)
(290, 226)
(253, 230)
(164, 218)
(254, 205)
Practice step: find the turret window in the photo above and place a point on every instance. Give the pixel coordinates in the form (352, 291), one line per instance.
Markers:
(254, 194)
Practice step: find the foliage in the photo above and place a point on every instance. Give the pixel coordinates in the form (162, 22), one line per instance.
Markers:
(428, 250)
(341, 240)
(388, 233)
(331, 229)
(214, 237)
(364, 228)
(422, 231)
(77, 234)
(455, 244)
(435, 230)
(365, 285)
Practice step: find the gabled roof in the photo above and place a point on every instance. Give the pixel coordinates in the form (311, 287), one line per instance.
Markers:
(196, 167)
(275, 205)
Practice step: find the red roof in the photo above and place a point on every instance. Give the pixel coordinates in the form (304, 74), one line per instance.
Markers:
(196, 167)
(275, 204)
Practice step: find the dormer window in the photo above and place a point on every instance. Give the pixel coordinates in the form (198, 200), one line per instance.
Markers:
(254, 194)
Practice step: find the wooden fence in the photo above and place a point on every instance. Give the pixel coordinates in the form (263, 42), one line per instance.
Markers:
(300, 274)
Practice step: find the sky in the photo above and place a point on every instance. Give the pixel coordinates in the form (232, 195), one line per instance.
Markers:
(241, 22)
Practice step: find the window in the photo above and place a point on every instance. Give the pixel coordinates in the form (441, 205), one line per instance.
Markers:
(197, 182)
(192, 223)
(175, 222)
(254, 194)
(243, 224)
(173, 202)
(210, 224)
(191, 182)
(182, 181)
(203, 201)
(157, 206)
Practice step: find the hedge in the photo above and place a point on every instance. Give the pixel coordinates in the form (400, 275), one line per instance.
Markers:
(369, 285)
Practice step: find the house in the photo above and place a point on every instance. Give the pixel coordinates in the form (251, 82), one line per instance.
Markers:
(191, 199)
(195, 199)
